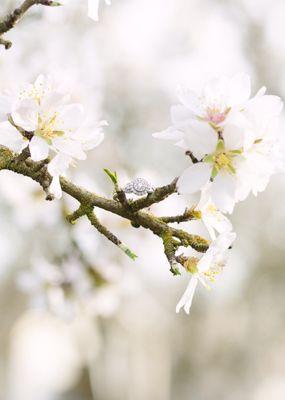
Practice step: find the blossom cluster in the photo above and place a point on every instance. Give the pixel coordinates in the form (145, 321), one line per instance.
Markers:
(232, 141)
(42, 118)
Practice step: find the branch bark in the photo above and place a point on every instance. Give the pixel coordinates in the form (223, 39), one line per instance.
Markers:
(172, 238)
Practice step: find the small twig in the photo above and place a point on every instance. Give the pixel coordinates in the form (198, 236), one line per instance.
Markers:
(80, 212)
(188, 215)
(109, 235)
(8, 23)
(121, 196)
(174, 238)
(191, 155)
(170, 248)
(156, 196)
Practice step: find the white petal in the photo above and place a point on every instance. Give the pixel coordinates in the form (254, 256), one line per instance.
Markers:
(190, 100)
(223, 191)
(55, 187)
(200, 138)
(39, 148)
(70, 117)
(239, 89)
(170, 133)
(206, 260)
(194, 178)
(225, 240)
(262, 110)
(261, 92)
(52, 101)
(25, 114)
(234, 137)
(93, 141)
(221, 223)
(93, 6)
(187, 298)
(11, 138)
(59, 164)
(216, 91)
(70, 147)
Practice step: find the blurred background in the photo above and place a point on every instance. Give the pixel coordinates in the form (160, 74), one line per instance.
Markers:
(81, 321)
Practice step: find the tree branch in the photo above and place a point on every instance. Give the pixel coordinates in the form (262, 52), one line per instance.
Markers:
(8, 23)
(172, 238)
(188, 215)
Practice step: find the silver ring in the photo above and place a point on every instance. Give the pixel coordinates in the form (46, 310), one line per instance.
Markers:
(139, 187)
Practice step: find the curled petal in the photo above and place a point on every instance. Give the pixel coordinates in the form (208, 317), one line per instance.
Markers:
(187, 298)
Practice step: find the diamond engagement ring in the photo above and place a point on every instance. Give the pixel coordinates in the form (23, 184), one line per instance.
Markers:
(139, 187)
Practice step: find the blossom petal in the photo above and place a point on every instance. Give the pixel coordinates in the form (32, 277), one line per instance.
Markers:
(223, 192)
(55, 187)
(25, 114)
(194, 178)
(170, 133)
(234, 137)
(200, 138)
(92, 141)
(59, 164)
(70, 117)
(39, 148)
(11, 138)
(187, 298)
(190, 100)
(224, 241)
(70, 147)
(180, 115)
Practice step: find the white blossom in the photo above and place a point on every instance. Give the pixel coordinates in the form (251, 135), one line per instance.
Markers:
(57, 126)
(206, 268)
(213, 219)
(218, 98)
(236, 151)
